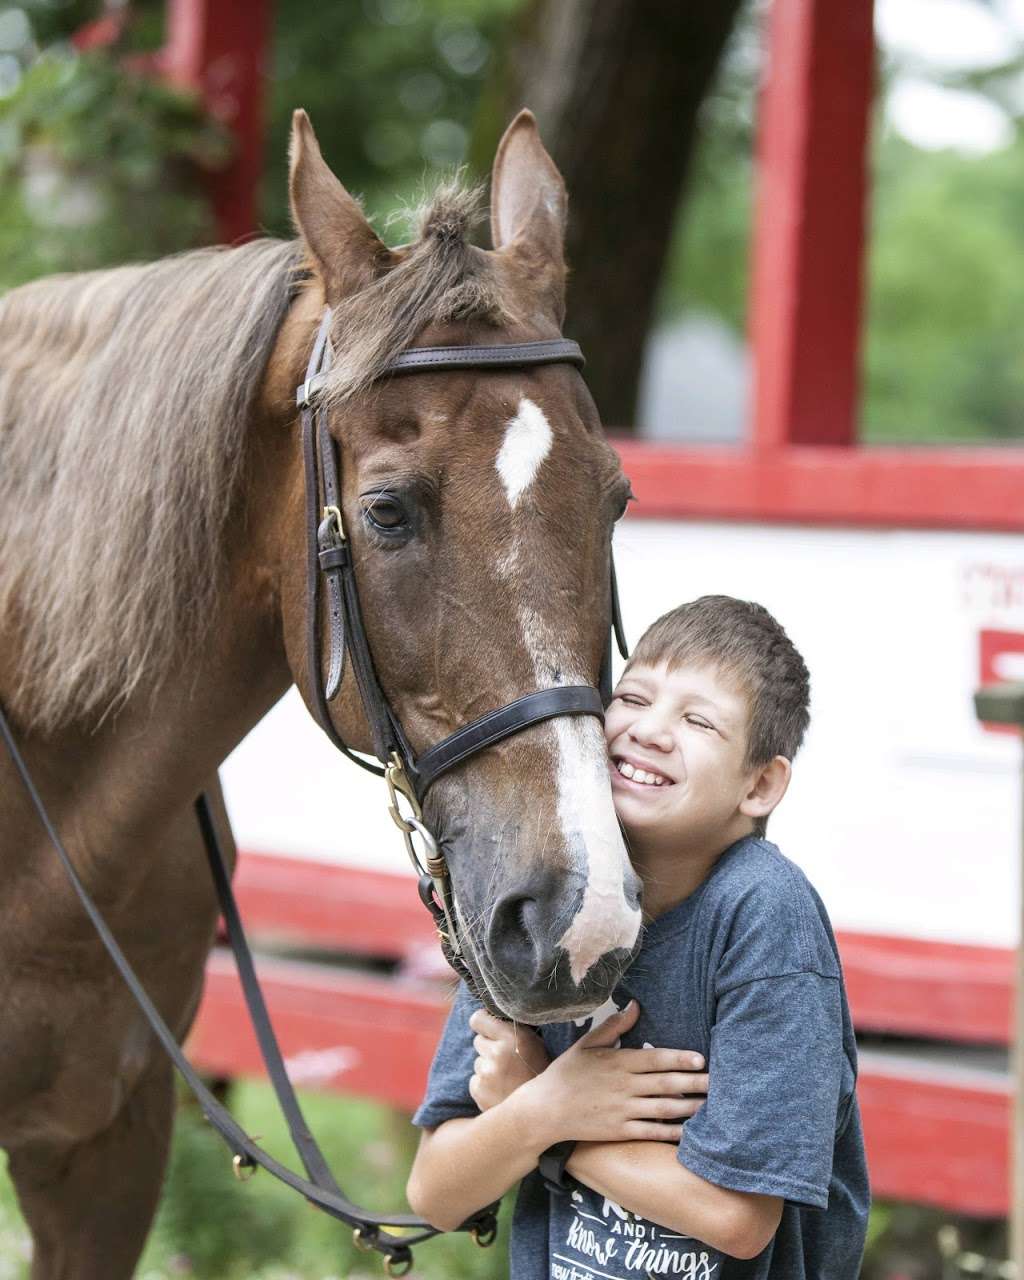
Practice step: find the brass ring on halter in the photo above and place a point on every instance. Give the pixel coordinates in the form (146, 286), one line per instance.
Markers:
(360, 1240)
(395, 1260)
(244, 1167)
(485, 1236)
(399, 785)
(334, 513)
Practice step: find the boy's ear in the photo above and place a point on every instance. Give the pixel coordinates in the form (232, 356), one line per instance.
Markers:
(767, 789)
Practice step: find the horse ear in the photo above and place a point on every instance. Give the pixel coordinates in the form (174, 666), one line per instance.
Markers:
(347, 251)
(528, 199)
(528, 210)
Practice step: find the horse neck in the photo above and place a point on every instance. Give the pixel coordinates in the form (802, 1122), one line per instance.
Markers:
(165, 744)
(199, 715)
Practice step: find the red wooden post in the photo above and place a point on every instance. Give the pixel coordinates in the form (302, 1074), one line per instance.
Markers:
(809, 229)
(220, 47)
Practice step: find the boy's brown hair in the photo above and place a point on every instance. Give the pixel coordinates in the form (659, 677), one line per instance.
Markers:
(743, 641)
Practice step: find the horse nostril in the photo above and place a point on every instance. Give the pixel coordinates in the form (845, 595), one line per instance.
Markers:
(512, 918)
(513, 936)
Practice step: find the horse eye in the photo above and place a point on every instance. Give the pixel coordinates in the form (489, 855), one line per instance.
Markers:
(385, 513)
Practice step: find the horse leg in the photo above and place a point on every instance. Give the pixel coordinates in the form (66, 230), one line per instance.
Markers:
(89, 1207)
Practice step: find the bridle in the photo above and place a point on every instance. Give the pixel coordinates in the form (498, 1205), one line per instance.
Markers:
(408, 776)
(329, 557)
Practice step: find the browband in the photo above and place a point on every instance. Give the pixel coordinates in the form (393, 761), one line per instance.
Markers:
(425, 359)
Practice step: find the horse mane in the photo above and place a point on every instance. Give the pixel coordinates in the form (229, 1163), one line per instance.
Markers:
(125, 396)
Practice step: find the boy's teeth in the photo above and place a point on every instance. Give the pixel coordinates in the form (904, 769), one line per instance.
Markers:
(640, 775)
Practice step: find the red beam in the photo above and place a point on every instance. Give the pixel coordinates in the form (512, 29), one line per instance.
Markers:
(903, 986)
(935, 1134)
(219, 48)
(938, 1136)
(375, 913)
(941, 990)
(809, 221)
(351, 1032)
(971, 488)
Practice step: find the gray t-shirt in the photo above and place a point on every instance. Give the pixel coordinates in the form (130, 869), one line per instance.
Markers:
(746, 972)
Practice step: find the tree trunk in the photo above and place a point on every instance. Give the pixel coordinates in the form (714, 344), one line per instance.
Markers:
(616, 86)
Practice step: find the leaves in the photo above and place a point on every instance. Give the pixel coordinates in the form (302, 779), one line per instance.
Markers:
(99, 165)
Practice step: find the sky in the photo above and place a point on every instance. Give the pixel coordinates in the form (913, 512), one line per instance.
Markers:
(948, 35)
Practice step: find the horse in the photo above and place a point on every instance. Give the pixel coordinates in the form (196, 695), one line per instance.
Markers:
(153, 604)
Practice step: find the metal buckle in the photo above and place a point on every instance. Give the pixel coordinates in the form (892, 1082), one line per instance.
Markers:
(305, 392)
(484, 1237)
(392, 1263)
(399, 785)
(362, 1240)
(435, 867)
(334, 513)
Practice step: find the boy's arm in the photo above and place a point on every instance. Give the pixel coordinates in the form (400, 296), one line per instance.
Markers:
(766, 1132)
(647, 1178)
(592, 1091)
(642, 1176)
(467, 1163)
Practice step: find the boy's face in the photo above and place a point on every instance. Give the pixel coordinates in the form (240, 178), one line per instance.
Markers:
(676, 742)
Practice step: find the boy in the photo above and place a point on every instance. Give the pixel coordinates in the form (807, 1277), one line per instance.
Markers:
(766, 1178)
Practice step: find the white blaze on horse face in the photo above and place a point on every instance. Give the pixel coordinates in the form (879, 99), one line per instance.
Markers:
(526, 444)
(605, 921)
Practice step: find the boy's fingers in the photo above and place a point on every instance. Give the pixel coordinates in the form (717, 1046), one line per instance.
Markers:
(487, 1024)
(671, 1108)
(661, 1060)
(652, 1131)
(482, 1044)
(670, 1083)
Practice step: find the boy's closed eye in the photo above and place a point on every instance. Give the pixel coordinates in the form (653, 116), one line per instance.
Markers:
(634, 700)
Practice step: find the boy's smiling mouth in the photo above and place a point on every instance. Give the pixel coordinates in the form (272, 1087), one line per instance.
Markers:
(640, 775)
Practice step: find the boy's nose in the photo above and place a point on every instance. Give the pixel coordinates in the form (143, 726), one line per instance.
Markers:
(652, 732)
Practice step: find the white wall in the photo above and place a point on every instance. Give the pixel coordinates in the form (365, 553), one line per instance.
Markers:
(903, 811)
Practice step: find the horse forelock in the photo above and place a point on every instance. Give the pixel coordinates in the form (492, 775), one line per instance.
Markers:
(439, 279)
(124, 396)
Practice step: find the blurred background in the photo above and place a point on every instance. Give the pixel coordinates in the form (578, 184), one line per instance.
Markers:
(133, 130)
(399, 88)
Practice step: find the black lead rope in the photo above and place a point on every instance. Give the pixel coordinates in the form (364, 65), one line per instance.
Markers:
(320, 1188)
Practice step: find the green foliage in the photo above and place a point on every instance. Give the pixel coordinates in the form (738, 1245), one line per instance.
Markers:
(391, 86)
(211, 1227)
(944, 354)
(214, 1228)
(943, 335)
(99, 166)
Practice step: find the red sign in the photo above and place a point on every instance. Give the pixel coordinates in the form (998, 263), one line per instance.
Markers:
(1001, 659)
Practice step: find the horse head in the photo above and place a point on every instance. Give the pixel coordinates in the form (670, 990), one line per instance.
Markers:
(479, 507)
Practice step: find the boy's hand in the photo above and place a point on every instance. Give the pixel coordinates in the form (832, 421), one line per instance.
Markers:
(507, 1056)
(595, 1092)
